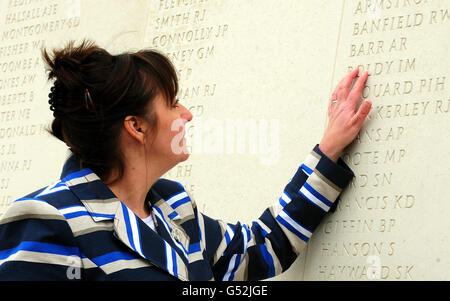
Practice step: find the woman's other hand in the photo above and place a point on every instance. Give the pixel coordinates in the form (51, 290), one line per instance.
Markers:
(344, 123)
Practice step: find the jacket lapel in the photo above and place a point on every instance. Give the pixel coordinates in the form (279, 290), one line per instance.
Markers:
(134, 233)
(176, 215)
(167, 224)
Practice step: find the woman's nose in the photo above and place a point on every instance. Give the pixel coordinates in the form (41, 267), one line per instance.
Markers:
(186, 114)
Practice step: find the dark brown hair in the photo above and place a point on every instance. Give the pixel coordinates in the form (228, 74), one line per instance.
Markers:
(118, 85)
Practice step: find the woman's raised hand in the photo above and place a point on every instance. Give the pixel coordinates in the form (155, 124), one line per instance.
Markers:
(344, 123)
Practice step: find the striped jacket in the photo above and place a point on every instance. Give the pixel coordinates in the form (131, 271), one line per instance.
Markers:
(77, 229)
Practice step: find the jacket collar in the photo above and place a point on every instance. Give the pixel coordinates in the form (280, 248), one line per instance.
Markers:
(167, 249)
(102, 204)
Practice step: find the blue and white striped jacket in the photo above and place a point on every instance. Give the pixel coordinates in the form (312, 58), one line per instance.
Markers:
(77, 229)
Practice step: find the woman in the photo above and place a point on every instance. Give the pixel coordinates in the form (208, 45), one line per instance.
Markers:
(111, 216)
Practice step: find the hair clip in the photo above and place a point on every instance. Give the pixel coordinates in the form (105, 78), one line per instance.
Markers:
(88, 100)
(56, 98)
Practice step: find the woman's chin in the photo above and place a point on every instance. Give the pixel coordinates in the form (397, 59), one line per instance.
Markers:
(184, 156)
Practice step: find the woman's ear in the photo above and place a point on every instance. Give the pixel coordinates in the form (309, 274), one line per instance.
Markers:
(135, 128)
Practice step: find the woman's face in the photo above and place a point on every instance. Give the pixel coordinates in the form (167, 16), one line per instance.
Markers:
(168, 143)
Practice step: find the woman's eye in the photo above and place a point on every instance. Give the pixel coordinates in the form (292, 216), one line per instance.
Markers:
(176, 104)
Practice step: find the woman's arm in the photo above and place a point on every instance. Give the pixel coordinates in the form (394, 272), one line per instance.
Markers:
(272, 243)
(37, 244)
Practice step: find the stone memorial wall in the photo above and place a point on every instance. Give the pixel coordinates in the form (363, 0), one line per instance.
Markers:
(257, 76)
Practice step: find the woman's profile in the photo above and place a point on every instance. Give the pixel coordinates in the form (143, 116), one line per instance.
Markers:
(111, 215)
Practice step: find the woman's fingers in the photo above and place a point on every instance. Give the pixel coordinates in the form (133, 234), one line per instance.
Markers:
(355, 93)
(342, 89)
(347, 82)
(361, 114)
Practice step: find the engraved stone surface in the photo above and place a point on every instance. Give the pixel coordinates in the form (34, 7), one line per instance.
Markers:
(390, 221)
(257, 76)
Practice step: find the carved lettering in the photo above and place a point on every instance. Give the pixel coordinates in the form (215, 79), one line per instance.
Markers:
(371, 6)
(372, 180)
(375, 157)
(359, 225)
(377, 47)
(371, 135)
(359, 272)
(377, 202)
(353, 249)
(171, 4)
(387, 24)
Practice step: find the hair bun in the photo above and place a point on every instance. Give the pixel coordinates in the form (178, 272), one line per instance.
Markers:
(74, 69)
(67, 64)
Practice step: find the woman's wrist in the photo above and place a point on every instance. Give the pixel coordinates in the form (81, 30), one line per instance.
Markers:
(331, 152)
